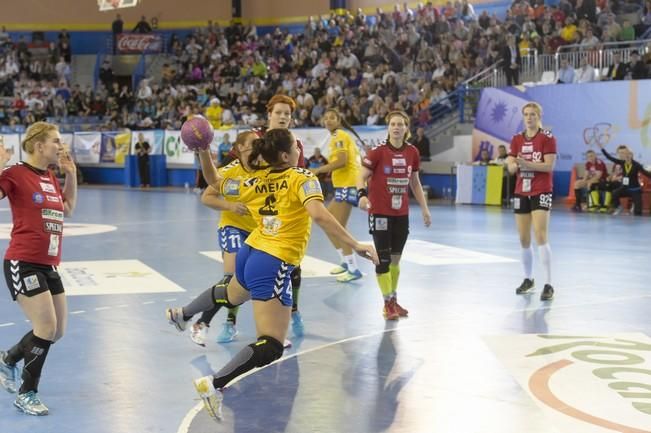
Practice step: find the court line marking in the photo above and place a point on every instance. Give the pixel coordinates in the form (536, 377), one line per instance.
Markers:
(189, 417)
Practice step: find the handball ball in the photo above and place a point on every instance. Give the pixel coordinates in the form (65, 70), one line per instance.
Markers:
(197, 133)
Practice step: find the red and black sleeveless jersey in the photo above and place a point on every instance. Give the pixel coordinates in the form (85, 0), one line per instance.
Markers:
(529, 182)
(388, 187)
(37, 211)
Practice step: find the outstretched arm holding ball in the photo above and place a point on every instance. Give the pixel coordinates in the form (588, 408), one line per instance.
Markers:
(197, 134)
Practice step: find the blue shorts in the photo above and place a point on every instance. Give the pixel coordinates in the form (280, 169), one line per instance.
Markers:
(347, 195)
(231, 238)
(263, 275)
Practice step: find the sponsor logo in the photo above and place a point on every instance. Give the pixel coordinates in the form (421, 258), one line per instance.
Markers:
(52, 198)
(399, 162)
(37, 198)
(31, 282)
(135, 43)
(51, 214)
(387, 169)
(381, 224)
(611, 376)
(312, 187)
(47, 179)
(400, 181)
(399, 171)
(52, 227)
(527, 149)
(232, 187)
(397, 189)
(47, 187)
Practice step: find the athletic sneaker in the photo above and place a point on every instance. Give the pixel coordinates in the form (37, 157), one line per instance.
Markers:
(297, 324)
(30, 404)
(402, 312)
(617, 210)
(287, 344)
(8, 374)
(175, 317)
(198, 333)
(211, 397)
(350, 276)
(228, 334)
(604, 210)
(525, 287)
(389, 311)
(547, 293)
(339, 269)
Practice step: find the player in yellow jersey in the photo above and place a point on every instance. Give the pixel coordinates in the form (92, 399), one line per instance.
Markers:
(235, 224)
(345, 168)
(282, 198)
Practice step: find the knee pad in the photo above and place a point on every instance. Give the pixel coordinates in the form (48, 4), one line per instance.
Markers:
(266, 350)
(220, 296)
(385, 261)
(296, 277)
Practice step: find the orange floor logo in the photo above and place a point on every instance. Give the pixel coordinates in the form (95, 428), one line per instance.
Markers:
(584, 383)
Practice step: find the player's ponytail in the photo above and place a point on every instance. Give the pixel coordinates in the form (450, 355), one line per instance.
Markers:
(270, 147)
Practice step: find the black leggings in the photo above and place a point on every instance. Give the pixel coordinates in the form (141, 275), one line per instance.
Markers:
(389, 236)
(634, 193)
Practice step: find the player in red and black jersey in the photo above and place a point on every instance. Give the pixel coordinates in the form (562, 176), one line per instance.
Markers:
(279, 111)
(532, 158)
(38, 206)
(595, 181)
(390, 170)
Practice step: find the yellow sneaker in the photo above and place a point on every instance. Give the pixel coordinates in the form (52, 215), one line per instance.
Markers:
(212, 398)
(339, 269)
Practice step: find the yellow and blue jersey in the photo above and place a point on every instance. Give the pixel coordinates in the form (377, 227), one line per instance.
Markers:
(276, 199)
(234, 174)
(346, 176)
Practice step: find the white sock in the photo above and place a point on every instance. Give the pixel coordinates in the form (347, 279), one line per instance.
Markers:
(340, 251)
(546, 259)
(351, 261)
(527, 261)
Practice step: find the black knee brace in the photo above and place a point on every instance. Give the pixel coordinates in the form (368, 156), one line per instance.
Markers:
(266, 350)
(220, 296)
(385, 261)
(296, 277)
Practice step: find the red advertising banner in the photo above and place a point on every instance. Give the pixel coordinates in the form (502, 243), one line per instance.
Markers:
(135, 43)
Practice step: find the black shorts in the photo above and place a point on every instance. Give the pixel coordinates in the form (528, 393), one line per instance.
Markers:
(524, 204)
(30, 279)
(389, 232)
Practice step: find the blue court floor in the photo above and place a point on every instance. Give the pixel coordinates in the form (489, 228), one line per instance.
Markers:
(472, 357)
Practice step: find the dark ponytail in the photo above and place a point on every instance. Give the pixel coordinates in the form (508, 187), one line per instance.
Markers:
(344, 123)
(269, 148)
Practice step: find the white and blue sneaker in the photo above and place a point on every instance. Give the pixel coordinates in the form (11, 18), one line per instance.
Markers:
(297, 324)
(8, 374)
(228, 334)
(211, 397)
(30, 404)
(339, 269)
(350, 276)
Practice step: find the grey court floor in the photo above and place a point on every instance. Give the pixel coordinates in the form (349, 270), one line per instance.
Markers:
(472, 357)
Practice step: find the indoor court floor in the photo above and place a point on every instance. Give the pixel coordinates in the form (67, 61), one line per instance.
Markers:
(472, 357)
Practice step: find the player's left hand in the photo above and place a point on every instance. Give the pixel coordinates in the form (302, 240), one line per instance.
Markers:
(427, 218)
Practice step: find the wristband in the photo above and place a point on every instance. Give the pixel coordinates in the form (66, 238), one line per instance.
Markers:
(361, 193)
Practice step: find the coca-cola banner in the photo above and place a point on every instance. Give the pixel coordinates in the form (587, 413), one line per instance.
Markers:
(134, 43)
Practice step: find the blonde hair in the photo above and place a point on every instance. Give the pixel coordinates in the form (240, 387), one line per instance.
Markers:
(37, 132)
(404, 116)
(537, 108)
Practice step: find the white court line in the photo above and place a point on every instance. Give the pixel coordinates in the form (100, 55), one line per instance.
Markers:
(187, 420)
(122, 306)
(102, 308)
(169, 300)
(77, 312)
(148, 302)
(2, 325)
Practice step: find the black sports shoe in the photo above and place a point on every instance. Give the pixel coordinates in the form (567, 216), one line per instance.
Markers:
(525, 287)
(547, 293)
